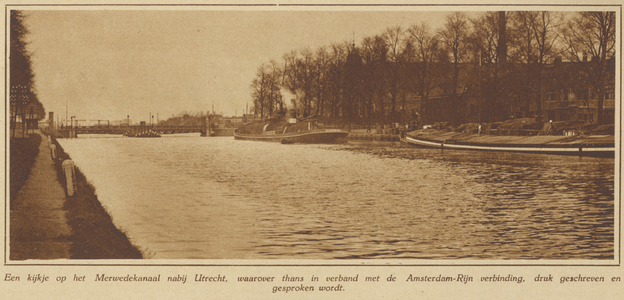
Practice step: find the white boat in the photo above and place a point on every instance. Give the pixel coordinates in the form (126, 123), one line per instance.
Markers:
(602, 146)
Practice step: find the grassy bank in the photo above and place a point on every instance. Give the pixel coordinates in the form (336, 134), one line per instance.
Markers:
(94, 236)
(22, 153)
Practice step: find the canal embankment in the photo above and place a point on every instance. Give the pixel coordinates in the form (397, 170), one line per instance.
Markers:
(23, 152)
(94, 235)
(38, 223)
(47, 224)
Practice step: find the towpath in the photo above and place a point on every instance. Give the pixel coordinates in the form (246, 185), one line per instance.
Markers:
(38, 228)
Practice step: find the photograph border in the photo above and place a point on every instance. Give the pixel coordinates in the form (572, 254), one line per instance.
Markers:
(379, 262)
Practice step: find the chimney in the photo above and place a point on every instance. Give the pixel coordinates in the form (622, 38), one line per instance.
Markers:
(502, 37)
(584, 57)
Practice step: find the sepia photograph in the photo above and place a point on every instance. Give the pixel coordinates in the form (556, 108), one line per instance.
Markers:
(312, 135)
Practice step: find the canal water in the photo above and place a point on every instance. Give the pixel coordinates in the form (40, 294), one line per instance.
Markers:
(188, 197)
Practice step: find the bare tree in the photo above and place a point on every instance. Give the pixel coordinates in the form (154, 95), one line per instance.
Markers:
(306, 78)
(321, 62)
(258, 91)
(373, 52)
(337, 58)
(395, 40)
(593, 34)
(23, 99)
(496, 82)
(274, 84)
(454, 36)
(425, 47)
(290, 74)
(536, 36)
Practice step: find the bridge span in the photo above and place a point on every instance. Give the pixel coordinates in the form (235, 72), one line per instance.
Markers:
(132, 130)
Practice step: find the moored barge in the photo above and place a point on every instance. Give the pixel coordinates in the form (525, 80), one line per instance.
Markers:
(594, 145)
(292, 131)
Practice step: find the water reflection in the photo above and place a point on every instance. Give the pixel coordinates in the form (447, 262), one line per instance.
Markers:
(192, 197)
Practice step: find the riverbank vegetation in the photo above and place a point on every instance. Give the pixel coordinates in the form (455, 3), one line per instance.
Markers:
(94, 235)
(25, 105)
(22, 153)
(487, 67)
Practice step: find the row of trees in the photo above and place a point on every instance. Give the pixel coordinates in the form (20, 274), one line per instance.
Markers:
(23, 97)
(497, 57)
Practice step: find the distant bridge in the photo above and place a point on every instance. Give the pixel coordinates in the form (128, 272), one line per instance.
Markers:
(137, 129)
(130, 130)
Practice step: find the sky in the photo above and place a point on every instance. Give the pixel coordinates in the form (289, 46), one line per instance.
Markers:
(107, 64)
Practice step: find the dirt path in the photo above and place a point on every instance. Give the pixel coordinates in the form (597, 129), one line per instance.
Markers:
(38, 228)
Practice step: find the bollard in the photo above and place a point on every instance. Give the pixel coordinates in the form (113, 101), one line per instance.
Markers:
(49, 141)
(70, 176)
(53, 151)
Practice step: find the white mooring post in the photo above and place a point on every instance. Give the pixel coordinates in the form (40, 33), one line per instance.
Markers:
(70, 176)
(53, 151)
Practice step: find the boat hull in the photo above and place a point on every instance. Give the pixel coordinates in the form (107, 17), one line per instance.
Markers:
(576, 149)
(223, 132)
(321, 136)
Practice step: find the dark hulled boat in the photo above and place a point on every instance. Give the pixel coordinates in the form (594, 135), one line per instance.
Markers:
(310, 130)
